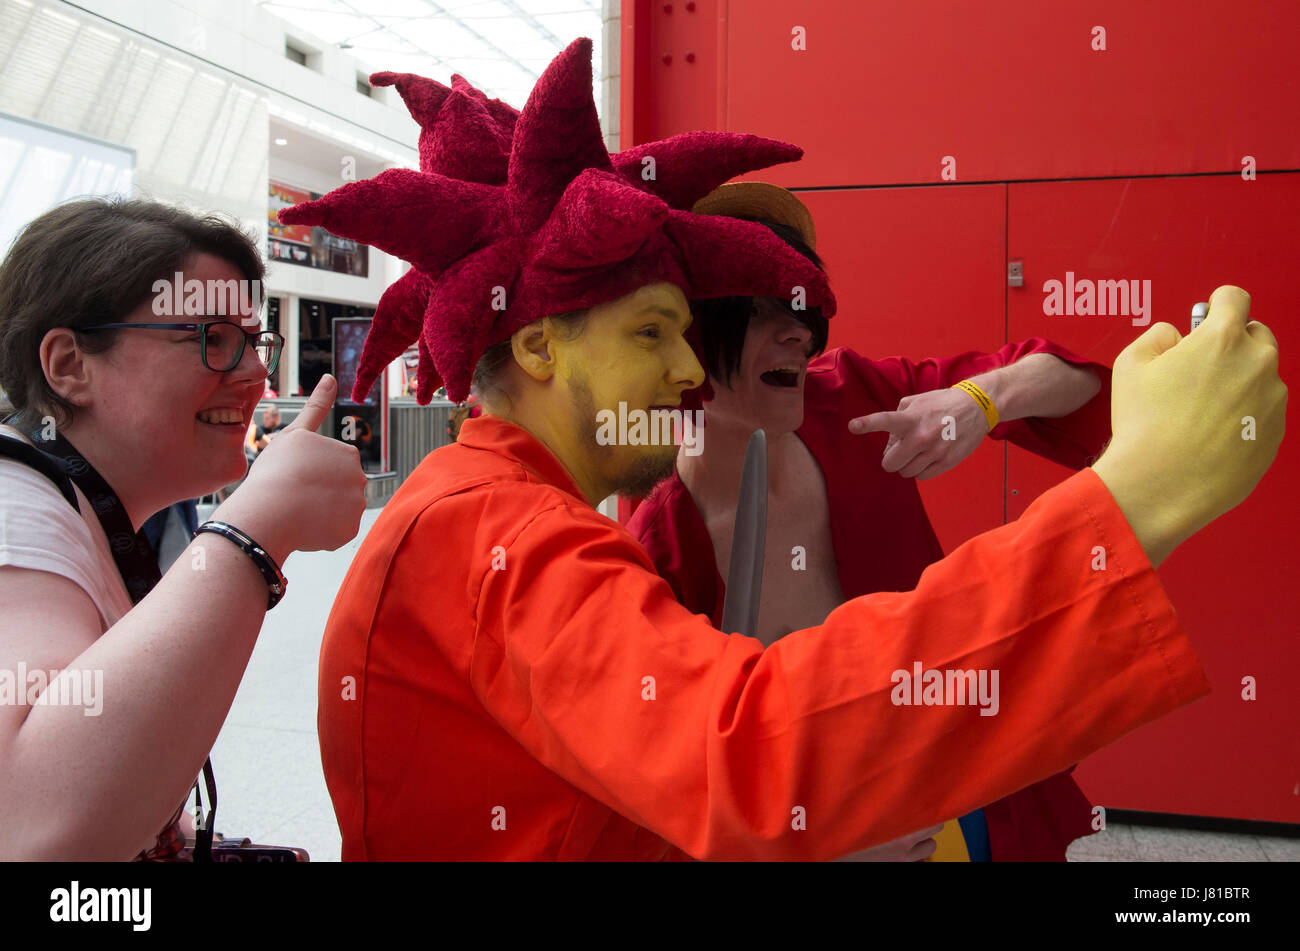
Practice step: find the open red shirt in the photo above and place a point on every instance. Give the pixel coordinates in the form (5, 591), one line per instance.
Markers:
(504, 676)
(880, 531)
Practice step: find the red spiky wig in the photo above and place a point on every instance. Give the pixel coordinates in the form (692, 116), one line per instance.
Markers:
(530, 211)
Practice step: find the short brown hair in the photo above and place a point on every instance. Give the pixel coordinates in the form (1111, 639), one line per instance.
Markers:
(93, 261)
(489, 372)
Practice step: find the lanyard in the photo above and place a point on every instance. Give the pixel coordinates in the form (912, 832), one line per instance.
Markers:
(138, 566)
(134, 556)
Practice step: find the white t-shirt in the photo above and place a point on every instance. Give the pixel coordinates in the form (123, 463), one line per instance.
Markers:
(40, 530)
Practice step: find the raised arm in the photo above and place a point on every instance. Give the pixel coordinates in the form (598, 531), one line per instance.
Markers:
(99, 787)
(810, 749)
(1048, 401)
(1039, 384)
(801, 751)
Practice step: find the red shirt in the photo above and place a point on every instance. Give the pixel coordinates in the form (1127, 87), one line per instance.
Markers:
(504, 676)
(868, 504)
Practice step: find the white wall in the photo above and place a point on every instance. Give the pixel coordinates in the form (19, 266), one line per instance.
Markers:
(191, 86)
(41, 167)
(199, 134)
(241, 37)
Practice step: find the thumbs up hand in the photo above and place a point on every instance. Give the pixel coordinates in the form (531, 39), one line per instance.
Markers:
(317, 406)
(306, 492)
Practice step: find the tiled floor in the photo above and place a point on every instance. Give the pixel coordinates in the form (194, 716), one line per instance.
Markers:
(267, 760)
(1123, 843)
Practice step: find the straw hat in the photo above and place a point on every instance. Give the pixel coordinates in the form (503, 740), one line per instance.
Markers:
(760, 200)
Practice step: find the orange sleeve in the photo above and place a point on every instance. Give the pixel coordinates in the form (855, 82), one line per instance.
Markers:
(799, 752)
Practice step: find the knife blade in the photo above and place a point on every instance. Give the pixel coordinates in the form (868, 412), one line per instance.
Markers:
(748, 540)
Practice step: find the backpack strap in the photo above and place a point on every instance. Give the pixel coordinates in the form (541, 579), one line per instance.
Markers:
(13, 448)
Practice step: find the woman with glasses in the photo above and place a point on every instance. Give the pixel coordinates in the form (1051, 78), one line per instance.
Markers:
(114, 683)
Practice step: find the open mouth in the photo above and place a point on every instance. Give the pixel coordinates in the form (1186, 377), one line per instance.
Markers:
(786, 377)
(221, 417)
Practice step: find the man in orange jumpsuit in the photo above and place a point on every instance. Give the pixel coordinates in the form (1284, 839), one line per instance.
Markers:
(503, 674)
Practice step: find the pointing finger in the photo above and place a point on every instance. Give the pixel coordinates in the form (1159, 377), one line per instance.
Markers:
(894, 422)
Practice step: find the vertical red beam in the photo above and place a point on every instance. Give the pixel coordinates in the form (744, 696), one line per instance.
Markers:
(632, 61)
(722, 116)
(674, 68)
(632, 58)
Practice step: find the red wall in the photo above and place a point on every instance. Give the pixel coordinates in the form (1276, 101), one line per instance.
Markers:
(1123, 163)
(1012, 90)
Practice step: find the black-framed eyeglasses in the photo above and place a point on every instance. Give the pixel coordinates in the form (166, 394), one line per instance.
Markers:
(221, 342)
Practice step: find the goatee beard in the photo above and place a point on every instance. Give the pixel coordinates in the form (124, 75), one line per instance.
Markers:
(646, 472)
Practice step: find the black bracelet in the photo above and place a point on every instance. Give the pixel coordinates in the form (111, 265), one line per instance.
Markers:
(276, 582)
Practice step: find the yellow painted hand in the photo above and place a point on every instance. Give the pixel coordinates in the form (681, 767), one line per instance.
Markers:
(1196, 422)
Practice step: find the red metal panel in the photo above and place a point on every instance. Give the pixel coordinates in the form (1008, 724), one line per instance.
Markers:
(1234, 584)
(921, 272)
(1012, 89)
(671, 68)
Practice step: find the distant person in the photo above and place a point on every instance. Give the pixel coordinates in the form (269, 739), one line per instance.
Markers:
(266, 430)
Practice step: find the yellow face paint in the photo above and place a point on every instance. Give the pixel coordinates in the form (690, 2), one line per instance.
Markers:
(629, 358)
(634, 345)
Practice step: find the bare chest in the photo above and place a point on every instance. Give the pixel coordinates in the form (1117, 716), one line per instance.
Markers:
(800, 574)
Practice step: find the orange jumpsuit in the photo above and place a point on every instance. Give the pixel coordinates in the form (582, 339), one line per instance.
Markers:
(504, 676)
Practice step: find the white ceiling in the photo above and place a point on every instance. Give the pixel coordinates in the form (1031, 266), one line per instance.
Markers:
(321, 153)
(501, 46)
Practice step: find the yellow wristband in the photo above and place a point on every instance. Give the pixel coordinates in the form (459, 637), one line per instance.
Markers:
(982, 398)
